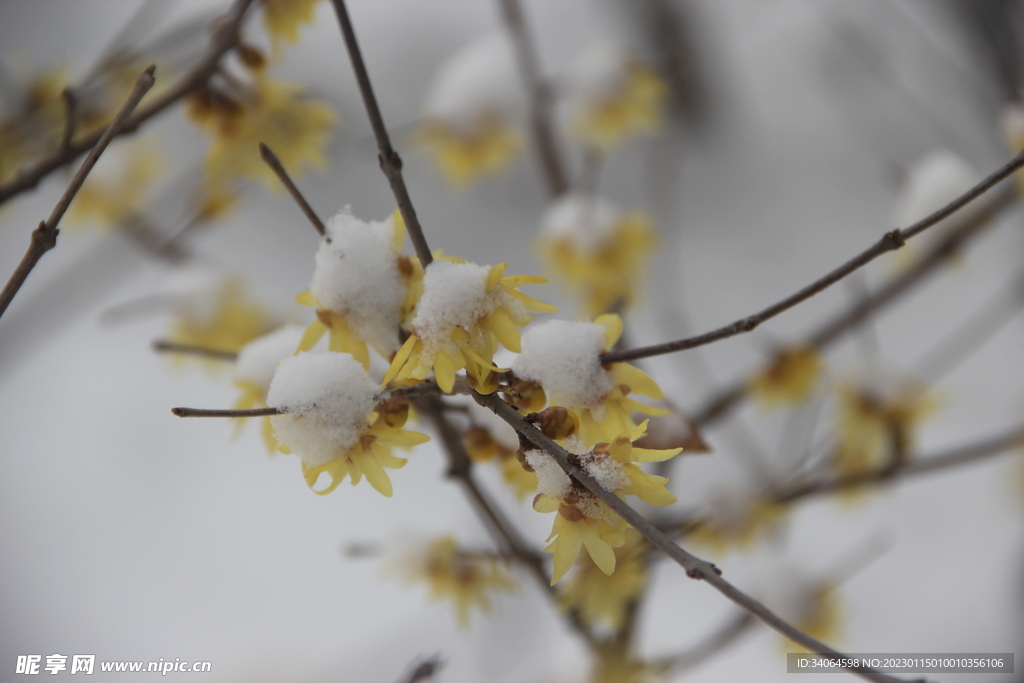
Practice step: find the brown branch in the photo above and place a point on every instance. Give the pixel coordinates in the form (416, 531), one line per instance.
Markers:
(889, 242)
(203, 412)
(540, 98)
(425, 670)
(44, 237)
(721, 402)
(460, 468)
(390, 162)
(164, 346)
(275, 165)
(695, 567)
(224, 39)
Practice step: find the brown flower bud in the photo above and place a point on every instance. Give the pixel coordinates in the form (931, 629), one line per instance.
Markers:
(570, 513)
(556, 422)
(395, 410)
(251, 56)
(526, 395)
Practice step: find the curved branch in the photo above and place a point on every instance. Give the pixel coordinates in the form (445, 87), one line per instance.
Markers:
(889, 242)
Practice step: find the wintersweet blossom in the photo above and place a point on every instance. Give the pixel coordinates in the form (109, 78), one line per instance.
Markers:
(601, 598)
(491, 439)
(878, 416)
(564, 358)
(597, 251)
(254, 370)
(612, 95)
(473, 111)
(583, 520)
(330, 420)
(464, 578)
(789, 378)
(464, 312)
(1011, 126)
(113, 196)
(33, 123)
(361, 286)
(736, 516)
(809, 603)
(282, 19)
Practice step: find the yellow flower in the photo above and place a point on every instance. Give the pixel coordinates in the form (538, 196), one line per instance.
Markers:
(614, 96)
(361, 287)
(463, 578)
(274, 112)
(465, 311)
(582, 519)
(613, 665)
(483, 447)
(464, 155)
(810, 604)
(331, 418)
(120, 197)
(789, 379)
(736, 519)
(878, 423)
(226, 320)
(599, 253)
(1011, 125)
(602, 598)
(564, 358)
(283, 18)
(35, 126)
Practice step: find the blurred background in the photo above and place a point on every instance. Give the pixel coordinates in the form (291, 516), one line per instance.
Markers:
(795, 133)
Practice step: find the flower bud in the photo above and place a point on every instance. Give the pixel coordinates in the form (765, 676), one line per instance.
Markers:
(395, 410)
(556, 422)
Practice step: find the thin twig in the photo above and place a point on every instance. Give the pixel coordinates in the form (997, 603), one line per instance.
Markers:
(540, 98)
(164, 346)
(204, 412)
(224, 39)
(889, 242)
(275, 165)
(695, 567)
(460, 468)
(425, 670)
(719, 403)
(390, 162)
(44, 237)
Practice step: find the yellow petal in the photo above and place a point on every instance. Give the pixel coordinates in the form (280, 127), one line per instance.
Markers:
(612, 325)
(494, 277)
(311, 336)
(400, 358)
(504, 329)
(398, 221)
(545, 503)
(566, 547)
(650, 455)
(600, 552)
(406, 439)
(531, 304)
(306, 299)
(444, 371)
(520, 280)
(638, 381)
(375, 474)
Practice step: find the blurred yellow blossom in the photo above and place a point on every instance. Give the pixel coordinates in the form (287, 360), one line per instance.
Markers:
(789, 378)
(112, 199)
(282, 19)
(602, 598)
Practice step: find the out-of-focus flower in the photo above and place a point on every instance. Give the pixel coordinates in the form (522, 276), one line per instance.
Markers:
(491, 439)
(330, 421)
(582, 519)
(465, 311)
(613, 665)
(282, 19)
(602, 598)
(32, 125)
(611, 95)
(789, 378)
(360, 286)
(214, 312)
(809, 604)
(273, 112)
(1011, 126)
(473, 111)
(564, 358)
(736, 516)
(110, 199)
(465, 579)
(254, 370)
(879, 413)
(598, 252)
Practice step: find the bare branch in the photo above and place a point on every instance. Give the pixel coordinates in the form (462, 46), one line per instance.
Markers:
(390, 162)
(275, 165)
(164, 346)
(224, 39)
(695, 567)
(204, 412)
(425, 670)
(721, 402)
(44, 237)
(540, 98)
(889, 242)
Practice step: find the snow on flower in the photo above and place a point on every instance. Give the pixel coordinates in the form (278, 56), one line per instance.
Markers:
(360, 286)
(595, 249)
(473, 110)
(254, 370)
(464, 312)
(564, 358)
(582, 519)
(611, 95)
(329, 420)
(453, 574)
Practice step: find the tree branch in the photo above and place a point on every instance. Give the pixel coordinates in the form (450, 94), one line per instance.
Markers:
(275, 165)
(719, 404)
(695, 567)
(215, 412)
(390, 162)
(540, 98)
(224, 39)
(889, 242)
(164, 346)
(44, 237)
